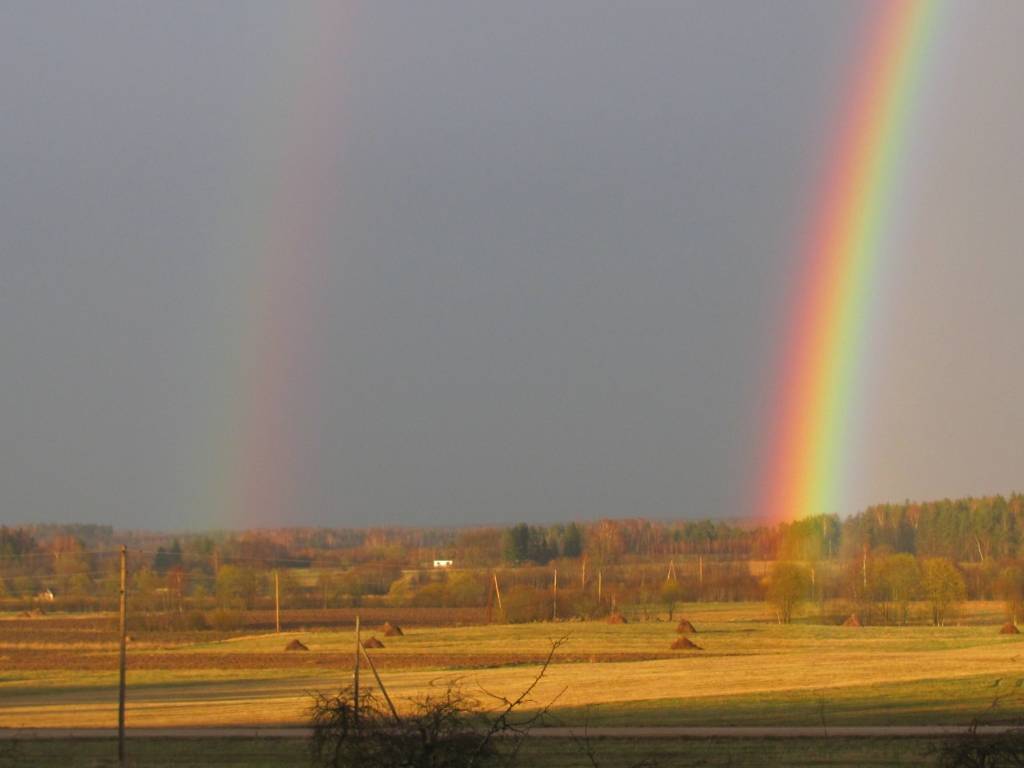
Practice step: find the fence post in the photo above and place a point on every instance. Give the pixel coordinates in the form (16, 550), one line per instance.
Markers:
(124, 645)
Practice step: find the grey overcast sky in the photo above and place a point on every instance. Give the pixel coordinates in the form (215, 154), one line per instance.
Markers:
(268, 263)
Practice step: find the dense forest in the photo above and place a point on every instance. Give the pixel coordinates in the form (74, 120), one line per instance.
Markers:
(864, 555)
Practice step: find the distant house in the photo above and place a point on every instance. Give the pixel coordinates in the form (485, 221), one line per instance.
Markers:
(46, 596)
(444, 563)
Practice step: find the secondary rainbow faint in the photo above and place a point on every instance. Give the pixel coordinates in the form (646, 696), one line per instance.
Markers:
(276, 247)
(808, 446)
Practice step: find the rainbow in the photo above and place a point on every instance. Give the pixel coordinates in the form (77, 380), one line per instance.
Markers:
(276, 246)
(809, 437)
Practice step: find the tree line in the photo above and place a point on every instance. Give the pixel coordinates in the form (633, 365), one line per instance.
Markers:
(865, 558)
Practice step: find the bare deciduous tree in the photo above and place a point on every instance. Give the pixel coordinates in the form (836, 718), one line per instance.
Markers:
(446, 730)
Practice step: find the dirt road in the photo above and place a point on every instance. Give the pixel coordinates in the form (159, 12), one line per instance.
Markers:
(625, 732)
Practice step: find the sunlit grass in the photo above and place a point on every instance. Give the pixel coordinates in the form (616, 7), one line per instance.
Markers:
(751, 671)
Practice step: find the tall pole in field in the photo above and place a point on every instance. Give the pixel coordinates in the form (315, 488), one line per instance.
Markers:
(124, 647)
(864, 567)
(355, 678)
(277, 603)
(554, 597)
(599, 586)
(497, 592)
(380, 683)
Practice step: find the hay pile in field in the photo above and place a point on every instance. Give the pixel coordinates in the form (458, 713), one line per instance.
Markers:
(852, 621)
(685, 644)
(617, 618)
(1009, 628)
(392, 630)
(373, 642)
(296, 645)
(684, 627)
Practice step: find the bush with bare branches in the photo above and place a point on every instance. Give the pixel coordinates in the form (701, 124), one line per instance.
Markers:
(444, 730)
(448, 729)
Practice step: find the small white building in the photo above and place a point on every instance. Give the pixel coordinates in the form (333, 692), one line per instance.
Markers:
(444, 563)
(46, 596)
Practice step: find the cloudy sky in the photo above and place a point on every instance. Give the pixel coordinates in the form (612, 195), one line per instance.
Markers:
(271, 263)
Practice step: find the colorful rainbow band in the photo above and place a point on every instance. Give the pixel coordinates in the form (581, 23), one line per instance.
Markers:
(810, 436)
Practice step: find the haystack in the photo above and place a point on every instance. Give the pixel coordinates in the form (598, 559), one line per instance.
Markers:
(685, 644)
(392, 630)
(373, 642)
(296, 645)
(684, 627)
(1009, 628)
(617, 618)
(852, 621)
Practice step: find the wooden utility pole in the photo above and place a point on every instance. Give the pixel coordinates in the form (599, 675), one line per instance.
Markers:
(864, 568)
(599, 586)
(380, 683)
(277, 603)
(355, 677)
(554, 597)
(583, 576)
(497, 592)
(700, 570)
(124, 648)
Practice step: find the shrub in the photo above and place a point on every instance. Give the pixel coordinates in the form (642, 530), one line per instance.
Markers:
(169, 621)
(976, 750)
(444, 730)
(786, 589)
(224, 620)
(431, 595)
(523, 604)
(574, 603)
(943, 587)
(441, 732)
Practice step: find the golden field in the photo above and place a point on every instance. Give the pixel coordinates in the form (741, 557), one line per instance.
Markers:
(750, 671)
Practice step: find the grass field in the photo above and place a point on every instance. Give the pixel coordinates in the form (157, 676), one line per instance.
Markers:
(611, 753)
(751, 671)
